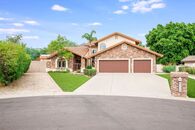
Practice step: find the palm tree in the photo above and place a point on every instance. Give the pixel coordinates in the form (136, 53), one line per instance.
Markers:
(89, 36)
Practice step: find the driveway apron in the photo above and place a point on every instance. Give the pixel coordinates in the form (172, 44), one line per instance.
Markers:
(121, 84)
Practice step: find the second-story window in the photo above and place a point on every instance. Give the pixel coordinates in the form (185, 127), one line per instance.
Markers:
(93, 51)
(102, 46)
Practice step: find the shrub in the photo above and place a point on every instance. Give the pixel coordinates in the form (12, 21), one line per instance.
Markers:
(168, 69)
(90, 72)
(190, 70)
(89, 67)
(14, 61)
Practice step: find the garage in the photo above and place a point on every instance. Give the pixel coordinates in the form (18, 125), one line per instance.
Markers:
(142, 66)
(113, 66)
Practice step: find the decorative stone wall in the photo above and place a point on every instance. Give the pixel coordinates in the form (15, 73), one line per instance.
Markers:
(130, 52)
(179, 84)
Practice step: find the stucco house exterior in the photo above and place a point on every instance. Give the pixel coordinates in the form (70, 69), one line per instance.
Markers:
(114, 53)
(189, 61)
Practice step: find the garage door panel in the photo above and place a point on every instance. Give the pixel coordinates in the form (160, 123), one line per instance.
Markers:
(113, 66)
(142, 66)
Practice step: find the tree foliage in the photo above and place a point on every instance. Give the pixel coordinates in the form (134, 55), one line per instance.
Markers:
(14, 61)
(174, 40)
(34, 53)
(89, 36)
(17, 39)
(59, 44)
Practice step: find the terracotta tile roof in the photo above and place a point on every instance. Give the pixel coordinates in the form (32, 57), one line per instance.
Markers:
(52, 55)
(115, 33)
(80, 50)
(139, 47)
(189, 59)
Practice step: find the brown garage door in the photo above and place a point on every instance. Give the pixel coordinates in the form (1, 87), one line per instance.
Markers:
(113, 66)
(142, 66)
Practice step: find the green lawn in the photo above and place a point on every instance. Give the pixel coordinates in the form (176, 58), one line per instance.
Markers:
(68, 82)
(191, 84)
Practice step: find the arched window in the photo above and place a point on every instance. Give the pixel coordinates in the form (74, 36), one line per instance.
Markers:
(61, 63)
(102, 46)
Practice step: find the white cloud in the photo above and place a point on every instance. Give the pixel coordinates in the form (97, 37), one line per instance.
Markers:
(119, 12)
(158, 6)
(5, 19)
(124, 0)
(147, 5)
(12, 30)
(95, 24)
(31, 37)
(31, 22)
(74, 24)
(18, 24)
(125, 7)
(58, 8)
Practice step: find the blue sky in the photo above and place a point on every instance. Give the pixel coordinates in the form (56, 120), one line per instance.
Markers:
(40, 21)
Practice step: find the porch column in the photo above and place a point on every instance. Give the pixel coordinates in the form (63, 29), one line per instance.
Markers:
(82, 64)
(70, 64)
(88, 62)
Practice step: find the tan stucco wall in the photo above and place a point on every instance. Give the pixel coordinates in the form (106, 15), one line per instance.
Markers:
(130, 53)
(113, 40)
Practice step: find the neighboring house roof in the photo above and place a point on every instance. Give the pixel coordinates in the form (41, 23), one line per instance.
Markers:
(113, 34)
(189, 59)
(80, 50)
(131, 44)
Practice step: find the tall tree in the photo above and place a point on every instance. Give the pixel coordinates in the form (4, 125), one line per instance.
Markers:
(59, 44)
(174, 40)
(89, 36)
(14, 38)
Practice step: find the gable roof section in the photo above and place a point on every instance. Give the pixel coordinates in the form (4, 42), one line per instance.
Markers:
(136, 46)
(189, 59)
(80, 50)
(119, 34)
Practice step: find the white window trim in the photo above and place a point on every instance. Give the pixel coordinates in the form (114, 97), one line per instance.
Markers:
(132, 66)
(56, 63)
(129, 62)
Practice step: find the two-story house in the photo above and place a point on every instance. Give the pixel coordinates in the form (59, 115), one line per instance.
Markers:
(115, 53)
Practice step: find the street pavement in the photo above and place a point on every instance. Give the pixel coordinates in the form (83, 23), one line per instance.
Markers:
(95, 113)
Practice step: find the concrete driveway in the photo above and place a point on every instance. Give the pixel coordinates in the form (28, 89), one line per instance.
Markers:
(142, 85)
(33, 83)
(95, 113)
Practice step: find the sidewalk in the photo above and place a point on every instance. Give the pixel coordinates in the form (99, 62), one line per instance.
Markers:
(191, 76)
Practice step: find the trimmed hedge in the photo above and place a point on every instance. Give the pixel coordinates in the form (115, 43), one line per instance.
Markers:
(190, 70)
(89, 67)
(90, 72)
(168, 69)
(14, 61)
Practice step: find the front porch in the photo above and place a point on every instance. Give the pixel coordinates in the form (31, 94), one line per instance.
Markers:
(77, 63)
